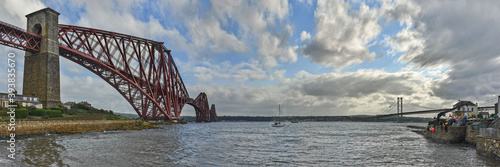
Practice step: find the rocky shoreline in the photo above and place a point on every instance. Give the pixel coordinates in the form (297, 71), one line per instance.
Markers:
(24, 129)
(463, 134)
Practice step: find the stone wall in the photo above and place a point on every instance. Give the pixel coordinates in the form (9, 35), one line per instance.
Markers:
(454, 134)
(41, 69)
(488, 146)
(470, 136)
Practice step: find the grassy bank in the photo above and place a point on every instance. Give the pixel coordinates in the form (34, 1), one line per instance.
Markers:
(30, 128)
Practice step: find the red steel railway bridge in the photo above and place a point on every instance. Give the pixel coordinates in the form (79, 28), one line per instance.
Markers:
(141, 70)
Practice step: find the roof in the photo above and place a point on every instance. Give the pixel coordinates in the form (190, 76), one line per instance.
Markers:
(465, 103)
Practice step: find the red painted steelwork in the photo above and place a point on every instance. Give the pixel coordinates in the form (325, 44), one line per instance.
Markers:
(141, 70)
(213, 114)
(203, 113)
(18, 38)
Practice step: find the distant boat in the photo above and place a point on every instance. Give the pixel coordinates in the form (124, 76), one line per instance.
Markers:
(295, 121)
(278, 123)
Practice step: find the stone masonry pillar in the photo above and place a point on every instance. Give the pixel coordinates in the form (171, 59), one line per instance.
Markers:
(41, 70)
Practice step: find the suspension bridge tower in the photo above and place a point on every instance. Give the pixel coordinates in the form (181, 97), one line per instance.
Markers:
(400, 110)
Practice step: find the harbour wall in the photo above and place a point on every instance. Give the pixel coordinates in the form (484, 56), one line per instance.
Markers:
(33, 128)
(453, 134)
(465, 134)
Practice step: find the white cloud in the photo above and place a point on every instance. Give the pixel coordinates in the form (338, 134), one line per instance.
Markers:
(462, 39)
(242, 72)
(260, 27)
(304, 37)
(95, 91)
(360, 92)
(342, 34)
(406, 41)
(14, 11)
(118, 16)
(404, 11)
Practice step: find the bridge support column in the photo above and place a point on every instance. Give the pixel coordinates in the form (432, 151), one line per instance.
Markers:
(400, 110)
(41, 70)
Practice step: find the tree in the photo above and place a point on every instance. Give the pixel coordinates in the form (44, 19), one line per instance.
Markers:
(480, 115)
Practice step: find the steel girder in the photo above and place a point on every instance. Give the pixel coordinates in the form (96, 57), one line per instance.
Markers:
(213, 114)
(18, 38)
(203, 113)
(141, 70)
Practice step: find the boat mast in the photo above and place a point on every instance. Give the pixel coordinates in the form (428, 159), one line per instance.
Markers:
(279, 112)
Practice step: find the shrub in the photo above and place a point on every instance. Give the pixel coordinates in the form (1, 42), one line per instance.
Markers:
(80, 106)
(22, 113)
(3, 113)
(5, 119)
(480, 115)
(31, 108)
(53, 113)
(48, 113)
(56, 109)
(39, 112)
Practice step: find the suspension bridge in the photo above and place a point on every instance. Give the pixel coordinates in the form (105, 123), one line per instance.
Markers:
(141, 70)
(428, 110)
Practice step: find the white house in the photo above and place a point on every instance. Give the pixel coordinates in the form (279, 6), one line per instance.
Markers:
(25, 101)
(467, 107)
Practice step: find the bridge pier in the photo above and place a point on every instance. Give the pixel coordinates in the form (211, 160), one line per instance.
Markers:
(41, 69)
(400, 110)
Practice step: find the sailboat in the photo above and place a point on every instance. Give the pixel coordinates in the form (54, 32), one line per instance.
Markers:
(278, 123)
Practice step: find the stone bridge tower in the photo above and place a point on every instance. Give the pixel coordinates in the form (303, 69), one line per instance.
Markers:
(41, 70)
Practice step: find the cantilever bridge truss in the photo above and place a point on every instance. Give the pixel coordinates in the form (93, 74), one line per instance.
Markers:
(141, 70)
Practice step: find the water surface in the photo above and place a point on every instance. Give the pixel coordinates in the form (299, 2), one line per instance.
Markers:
(247, 144)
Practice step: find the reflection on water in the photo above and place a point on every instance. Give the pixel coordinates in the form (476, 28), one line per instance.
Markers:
(247, 144)
(41, 151)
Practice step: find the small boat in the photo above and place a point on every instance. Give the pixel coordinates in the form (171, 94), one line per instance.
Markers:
(295, 121)
(278, 123)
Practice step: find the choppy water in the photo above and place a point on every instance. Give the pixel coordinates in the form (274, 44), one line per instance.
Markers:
(247, 144)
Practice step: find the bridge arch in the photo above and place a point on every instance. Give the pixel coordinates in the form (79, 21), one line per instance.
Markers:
(141, 70)
(203, 112)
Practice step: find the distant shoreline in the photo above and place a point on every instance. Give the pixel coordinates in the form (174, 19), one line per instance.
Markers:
(356, 118)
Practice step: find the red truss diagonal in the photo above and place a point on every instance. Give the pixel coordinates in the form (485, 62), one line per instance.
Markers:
(200, 105)
(18, 38)
(141, 70)
(213, 114)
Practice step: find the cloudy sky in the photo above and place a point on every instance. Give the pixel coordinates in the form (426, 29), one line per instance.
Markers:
(312, 57)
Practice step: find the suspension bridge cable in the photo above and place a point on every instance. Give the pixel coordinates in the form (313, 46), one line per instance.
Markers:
(390, 107)
(411, 103)
(421, 106)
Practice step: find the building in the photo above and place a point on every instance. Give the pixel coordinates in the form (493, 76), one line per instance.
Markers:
(467, 107)
(25, 101)
(68, 104)
(485, 114)
(85, 103)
